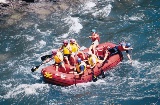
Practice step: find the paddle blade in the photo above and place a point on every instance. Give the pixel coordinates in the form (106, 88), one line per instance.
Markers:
(102, 73)
(94, 78)
(43, 58)
(34, 68)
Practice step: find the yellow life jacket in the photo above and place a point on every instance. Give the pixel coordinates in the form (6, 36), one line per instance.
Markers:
(58, 57)
(66, 50)
(78, 66)
(93, 57)
(74, 48)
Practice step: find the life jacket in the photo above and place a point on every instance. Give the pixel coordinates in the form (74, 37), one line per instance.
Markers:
(93, 57)
(58, 57)
(95, 36)
(78, 66)
(66, 50)
(120, 47)
(74, 47)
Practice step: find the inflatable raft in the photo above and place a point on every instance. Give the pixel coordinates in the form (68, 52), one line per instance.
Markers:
(62, 78)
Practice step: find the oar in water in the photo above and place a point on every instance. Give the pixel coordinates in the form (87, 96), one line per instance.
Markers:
(36, 67)
(94, 78)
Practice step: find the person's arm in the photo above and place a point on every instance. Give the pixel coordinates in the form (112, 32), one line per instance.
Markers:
(94, 63)
(106, 56)
(47, 60)
(60, 48)
(77, 44)
(129, 48)
(69, 48)
(129, 57)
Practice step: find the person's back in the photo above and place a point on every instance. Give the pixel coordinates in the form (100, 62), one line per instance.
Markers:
(66, 51)
(80, 66)
(92, 60)
(58, 57)
(74, 46)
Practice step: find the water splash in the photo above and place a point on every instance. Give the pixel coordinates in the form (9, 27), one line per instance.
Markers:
(25, 89)
(104, 12)
(89, 5)
(75, 25)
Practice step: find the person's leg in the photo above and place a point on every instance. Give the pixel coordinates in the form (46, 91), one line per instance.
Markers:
(90, 48)
(62, 64)
(66, 58)
(56, 67)
(94, 49)
(72, 59)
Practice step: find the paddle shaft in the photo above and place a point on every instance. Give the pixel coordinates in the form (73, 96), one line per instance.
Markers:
(35, 68)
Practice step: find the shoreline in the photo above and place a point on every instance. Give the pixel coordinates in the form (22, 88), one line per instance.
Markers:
(12, 12)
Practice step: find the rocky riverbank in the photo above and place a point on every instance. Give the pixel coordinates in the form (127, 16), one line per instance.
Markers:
(11, 12)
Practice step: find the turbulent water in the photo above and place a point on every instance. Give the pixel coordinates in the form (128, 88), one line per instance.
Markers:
(134, 21)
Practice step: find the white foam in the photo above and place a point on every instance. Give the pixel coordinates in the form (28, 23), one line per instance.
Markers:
(135, 17)
(39, 45)
(4, 1)
(26, 89)
(7, 48)
(75, 25)
(104, 12)
(42, 43)
(65, 35)
(137, 64)
(82, 48)
(46, 33)
(89, 5)
(29, 38)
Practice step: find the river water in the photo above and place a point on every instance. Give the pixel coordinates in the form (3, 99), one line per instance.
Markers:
(134, 21)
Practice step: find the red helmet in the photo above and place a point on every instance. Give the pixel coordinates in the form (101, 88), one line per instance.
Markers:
(65, 42)
(72, 40)
(54, 51)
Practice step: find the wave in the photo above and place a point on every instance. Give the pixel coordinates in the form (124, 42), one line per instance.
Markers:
(25, 89)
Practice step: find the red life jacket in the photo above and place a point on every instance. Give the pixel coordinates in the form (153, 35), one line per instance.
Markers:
(120, 48)
(95, 36)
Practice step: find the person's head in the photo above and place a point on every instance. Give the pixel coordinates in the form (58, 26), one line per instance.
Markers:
(93, 30)
(54, 51)
(65, 42)
(72, 41)
(128, 45)
(79, 60)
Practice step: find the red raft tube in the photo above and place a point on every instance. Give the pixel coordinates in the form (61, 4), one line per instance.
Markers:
(62, 78)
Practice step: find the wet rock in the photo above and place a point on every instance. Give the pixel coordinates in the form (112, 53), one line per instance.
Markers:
(63, 6)
(13, 11)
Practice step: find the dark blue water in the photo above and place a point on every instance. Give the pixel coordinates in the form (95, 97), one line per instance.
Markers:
(135, 21)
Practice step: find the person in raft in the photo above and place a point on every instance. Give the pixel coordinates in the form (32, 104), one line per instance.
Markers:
(58, 58)
(80, 67)
(75, 49)
(93, 60)
(95, 41)
(66, 51)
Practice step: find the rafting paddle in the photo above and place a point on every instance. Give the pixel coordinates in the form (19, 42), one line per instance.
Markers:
(36, 67)
(94, 78)
(43, 58)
